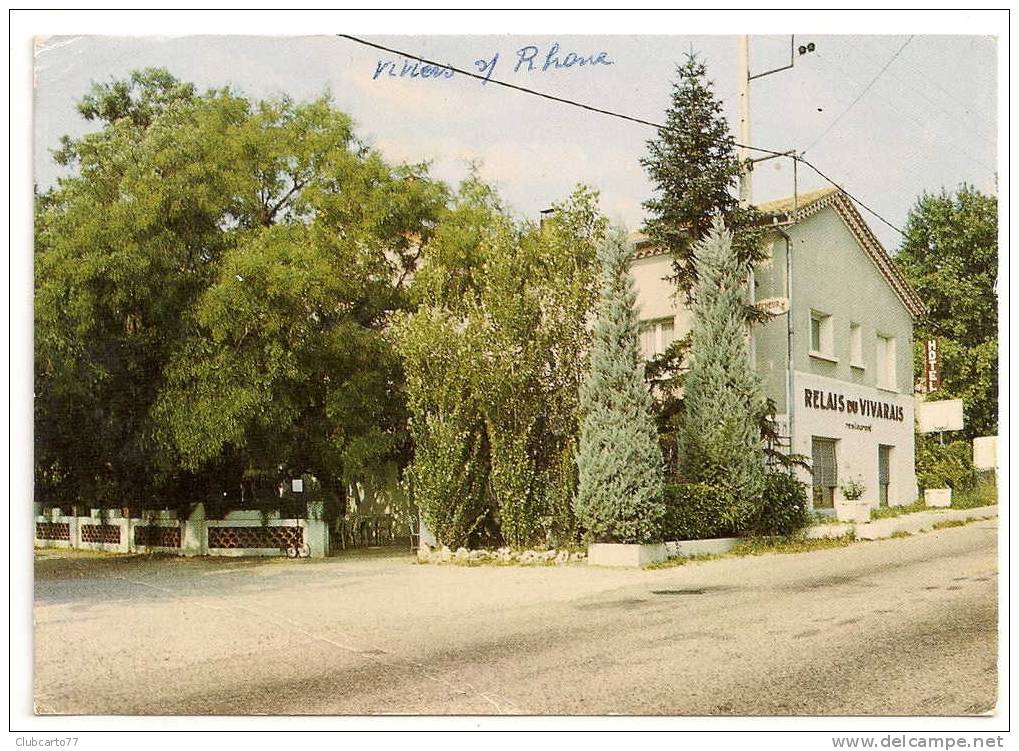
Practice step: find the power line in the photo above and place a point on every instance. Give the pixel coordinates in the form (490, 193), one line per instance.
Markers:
(860, 95)
(848, 195)
(618, 115)
(911, 86)
(925, 124)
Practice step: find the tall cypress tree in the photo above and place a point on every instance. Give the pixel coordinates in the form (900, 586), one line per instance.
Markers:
(619, 498)
(719, 436)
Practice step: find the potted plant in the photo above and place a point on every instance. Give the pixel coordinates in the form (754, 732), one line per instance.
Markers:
(849, 508)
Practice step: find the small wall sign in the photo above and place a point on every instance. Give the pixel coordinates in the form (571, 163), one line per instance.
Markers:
(931, 367)
(297, 486)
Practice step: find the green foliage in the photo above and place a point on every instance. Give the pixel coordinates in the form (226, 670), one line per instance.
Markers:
(144, 95)
(950, 257)
(694, 511)
(890, 512)
(948, 466)
(985, 493)
(852, 490)
(694, 168)
(948, 523)
(766, 546)
(513, 299)
(213, 287)
(720, 441)
(754, 546)
(448, 475)
(619, 496)
(783, 509)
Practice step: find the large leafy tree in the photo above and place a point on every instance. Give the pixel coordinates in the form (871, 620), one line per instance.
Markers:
(695, 170)
(503, 308)
(619, 497)
(720, 440)
(212, 289)
(950, 256)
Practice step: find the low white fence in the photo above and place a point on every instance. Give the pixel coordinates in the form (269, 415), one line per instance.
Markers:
(239, 534)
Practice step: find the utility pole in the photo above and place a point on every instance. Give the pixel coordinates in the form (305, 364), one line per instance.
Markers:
(743, 68)
(745, 77)
(746, 195)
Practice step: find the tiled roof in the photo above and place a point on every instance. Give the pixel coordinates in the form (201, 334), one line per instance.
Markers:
(801, 201)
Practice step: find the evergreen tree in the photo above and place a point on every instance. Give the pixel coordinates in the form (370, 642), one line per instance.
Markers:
(619, 498)
(695, 171)
(719, 437)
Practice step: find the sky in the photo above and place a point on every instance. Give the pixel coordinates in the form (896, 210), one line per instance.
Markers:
(887, 134)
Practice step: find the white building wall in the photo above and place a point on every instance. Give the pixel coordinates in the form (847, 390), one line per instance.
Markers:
(656, 295)
(858, 435)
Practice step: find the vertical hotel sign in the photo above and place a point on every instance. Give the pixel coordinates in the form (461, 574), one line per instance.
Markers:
(931, 367)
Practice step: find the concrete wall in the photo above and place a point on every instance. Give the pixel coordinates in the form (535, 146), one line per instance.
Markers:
(858, 436)
(834, 275)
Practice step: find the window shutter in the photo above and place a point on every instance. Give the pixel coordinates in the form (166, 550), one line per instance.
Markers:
(882, 465)
(825, 471)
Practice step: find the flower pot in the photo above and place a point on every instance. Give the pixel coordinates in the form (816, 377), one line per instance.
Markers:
(857, 512)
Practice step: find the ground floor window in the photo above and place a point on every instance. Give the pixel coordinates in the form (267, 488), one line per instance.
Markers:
(825, 471)
(884, 463)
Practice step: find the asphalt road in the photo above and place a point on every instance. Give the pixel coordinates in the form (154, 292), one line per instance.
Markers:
(894, 627)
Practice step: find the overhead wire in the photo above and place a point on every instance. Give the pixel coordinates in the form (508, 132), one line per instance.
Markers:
(923, 124)
(913, 88)
(619, 115)
(860, 95)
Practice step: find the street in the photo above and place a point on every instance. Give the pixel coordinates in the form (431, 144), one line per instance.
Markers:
(894, 627)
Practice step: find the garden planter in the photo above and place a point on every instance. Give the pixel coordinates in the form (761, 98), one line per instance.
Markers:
(687, 548)
(937, 497)
(857, 512)
(623, 554)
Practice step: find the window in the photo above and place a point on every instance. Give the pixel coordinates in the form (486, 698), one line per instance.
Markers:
(656, 336)
(886, 362)
(822, 336)
(856, 345)
(825, 471)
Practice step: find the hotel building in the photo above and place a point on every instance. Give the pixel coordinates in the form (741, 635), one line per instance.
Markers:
(837, 355)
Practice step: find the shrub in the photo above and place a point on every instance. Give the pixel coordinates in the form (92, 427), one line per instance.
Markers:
(695, 511)
(948, 466)
(853, 490)
(985, 493)
(783, 509)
